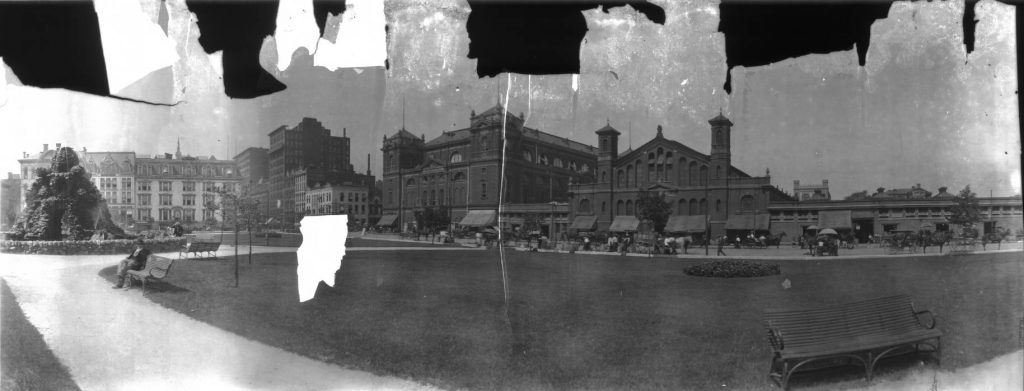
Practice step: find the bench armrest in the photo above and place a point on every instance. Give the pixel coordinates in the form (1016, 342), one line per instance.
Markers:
(930, 316)
(775, 338)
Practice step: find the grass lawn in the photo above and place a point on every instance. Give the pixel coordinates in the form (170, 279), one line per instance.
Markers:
(25, 361)
(294, 240)
(584, 322)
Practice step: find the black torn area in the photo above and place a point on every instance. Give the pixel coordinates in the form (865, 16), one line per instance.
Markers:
(54, 45)
(970, 22)
(321, 8)
(535, 38)
(238, 29)
(763, 33)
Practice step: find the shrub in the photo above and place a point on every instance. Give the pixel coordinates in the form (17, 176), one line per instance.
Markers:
(733, 269)
(87, 247)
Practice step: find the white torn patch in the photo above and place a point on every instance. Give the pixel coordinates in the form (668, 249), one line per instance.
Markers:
(576, 82)
(296, 28)
(133, 46)
(359, 41)
(323, 247)
(217, 63)
(3, 83)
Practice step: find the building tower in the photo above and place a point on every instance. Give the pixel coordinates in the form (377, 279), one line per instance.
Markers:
(721, 155)
(607, 152)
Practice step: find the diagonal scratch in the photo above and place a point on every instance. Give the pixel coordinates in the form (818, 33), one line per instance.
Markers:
(146, 102)
(501, 200)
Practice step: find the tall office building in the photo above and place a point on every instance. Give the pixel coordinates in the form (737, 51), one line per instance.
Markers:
(306, 145)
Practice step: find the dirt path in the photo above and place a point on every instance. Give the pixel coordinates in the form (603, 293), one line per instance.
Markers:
(113, 339)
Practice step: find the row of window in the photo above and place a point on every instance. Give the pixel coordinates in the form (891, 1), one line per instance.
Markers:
(185, 170)
(164, 214)
(543, 159)
(682, 206)
(167, 199)
(662, 171)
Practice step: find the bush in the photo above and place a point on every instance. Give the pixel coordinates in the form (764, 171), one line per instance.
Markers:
(87, 247)
(733, 269)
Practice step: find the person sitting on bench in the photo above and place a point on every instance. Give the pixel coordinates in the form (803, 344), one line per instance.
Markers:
(135, 261)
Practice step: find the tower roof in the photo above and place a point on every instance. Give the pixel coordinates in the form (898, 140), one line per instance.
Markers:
(608, 129)
(720, 120)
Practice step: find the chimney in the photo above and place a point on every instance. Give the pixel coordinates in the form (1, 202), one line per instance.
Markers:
(344, 132)
(46, 147)
(367, 164)
(58, 145)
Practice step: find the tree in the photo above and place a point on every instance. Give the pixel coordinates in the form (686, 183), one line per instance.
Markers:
(236, 211)
(653, 208)
(965, 211)
(63, 203)
(433, 219)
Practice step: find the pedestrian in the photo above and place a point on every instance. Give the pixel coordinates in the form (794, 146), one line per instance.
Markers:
(134, 261)
(762, 241)
(686, 243)
(586, 243)
(721, 245)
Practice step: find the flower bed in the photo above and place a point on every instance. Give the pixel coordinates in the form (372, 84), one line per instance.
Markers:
(733, 269)
(86, 247)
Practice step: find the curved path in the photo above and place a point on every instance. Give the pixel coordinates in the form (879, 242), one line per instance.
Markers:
(114, 339)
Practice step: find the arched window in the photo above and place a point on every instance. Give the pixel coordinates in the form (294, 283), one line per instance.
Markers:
(630, 175)
(622, 178)
(572, 165)
(528, 156)
(585, 169)
(440, 198)
(456, 157)
(543, 159)
(584, 205)
(718, 205)
(693, 174)
(693, 207)
(483, 143)
(629, 207)
(433, 197)
(703, 175)
(558, 162)
(747, 202)
(604, 206)
(718, 172)
(681, 208)
(392, 158)
(604, 176)
(620, 208)
(703, 206)
(410, 182)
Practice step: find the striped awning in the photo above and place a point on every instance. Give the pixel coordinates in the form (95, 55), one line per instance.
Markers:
(387, 220)
(686, 224)
(752, 222)
(835, 219)
(624, 224)
(584, 223)
(479, 218)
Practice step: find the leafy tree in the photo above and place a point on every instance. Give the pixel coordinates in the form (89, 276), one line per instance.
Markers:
(965, 211)
(63, 203)
(653, 208)
(433, 219)
(237, 212)
(531, 223)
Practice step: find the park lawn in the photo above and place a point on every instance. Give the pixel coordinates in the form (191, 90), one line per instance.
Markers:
(584, 322)
(26, 363)
(295, 240)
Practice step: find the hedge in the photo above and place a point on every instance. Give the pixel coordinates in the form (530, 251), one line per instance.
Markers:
(87, 247)
(733, 269)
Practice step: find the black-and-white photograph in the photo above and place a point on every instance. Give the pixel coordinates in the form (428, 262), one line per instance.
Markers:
(511, 195)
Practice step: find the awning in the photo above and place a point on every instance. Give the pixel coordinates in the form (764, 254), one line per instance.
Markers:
(624, 224)
(512, 220)
(750, 222)
(585, 223)
(479, 218)
(686, 224)
(835, 219)
(387, 220)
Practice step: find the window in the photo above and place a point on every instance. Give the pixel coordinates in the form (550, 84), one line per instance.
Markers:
(145, 199)
(622, 178)
(144, 186)
(165, 199)
(126, 183)
(604, 206)
(410, 182)
(703, 206)
(681, 209)
(584, 205)
(207, 199)
(190, 215)
(126, 197)
(747, 203)
(456, 157)
(620, 207)
(558, 162)
(629, 207)
(188, 199)
(543, 159)
(165, 186)
(209, 187)
(145, 214)
(528, 156)
(391, 197)
(483, 191)
(165, 214)
(718, 205)
(188, 186)
(209, 214)
(177, 214)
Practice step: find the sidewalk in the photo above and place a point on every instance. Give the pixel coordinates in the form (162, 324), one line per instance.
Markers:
(114, 339)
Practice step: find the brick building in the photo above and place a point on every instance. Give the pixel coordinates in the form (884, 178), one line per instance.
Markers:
(307, 145)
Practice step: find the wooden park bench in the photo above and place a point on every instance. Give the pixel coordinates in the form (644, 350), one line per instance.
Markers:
(198, 246)
(861, 332)
(156, 268)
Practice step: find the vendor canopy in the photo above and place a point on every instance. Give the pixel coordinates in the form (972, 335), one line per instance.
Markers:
(624, 224)
(835, 219)
(584, 223)
(387, 220)
(749, 222)
(479, 218)
(686, 224)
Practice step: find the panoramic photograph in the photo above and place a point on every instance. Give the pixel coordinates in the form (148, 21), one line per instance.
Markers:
(477, 195)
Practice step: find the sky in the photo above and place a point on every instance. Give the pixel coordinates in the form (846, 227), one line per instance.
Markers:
(921, 111)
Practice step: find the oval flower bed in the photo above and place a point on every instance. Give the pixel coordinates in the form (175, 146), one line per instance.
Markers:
(733, 269)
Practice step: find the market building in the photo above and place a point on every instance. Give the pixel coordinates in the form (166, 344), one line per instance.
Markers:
(462, 170)
(706, 193)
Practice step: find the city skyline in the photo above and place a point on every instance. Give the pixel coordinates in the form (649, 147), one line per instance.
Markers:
(809, 118)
